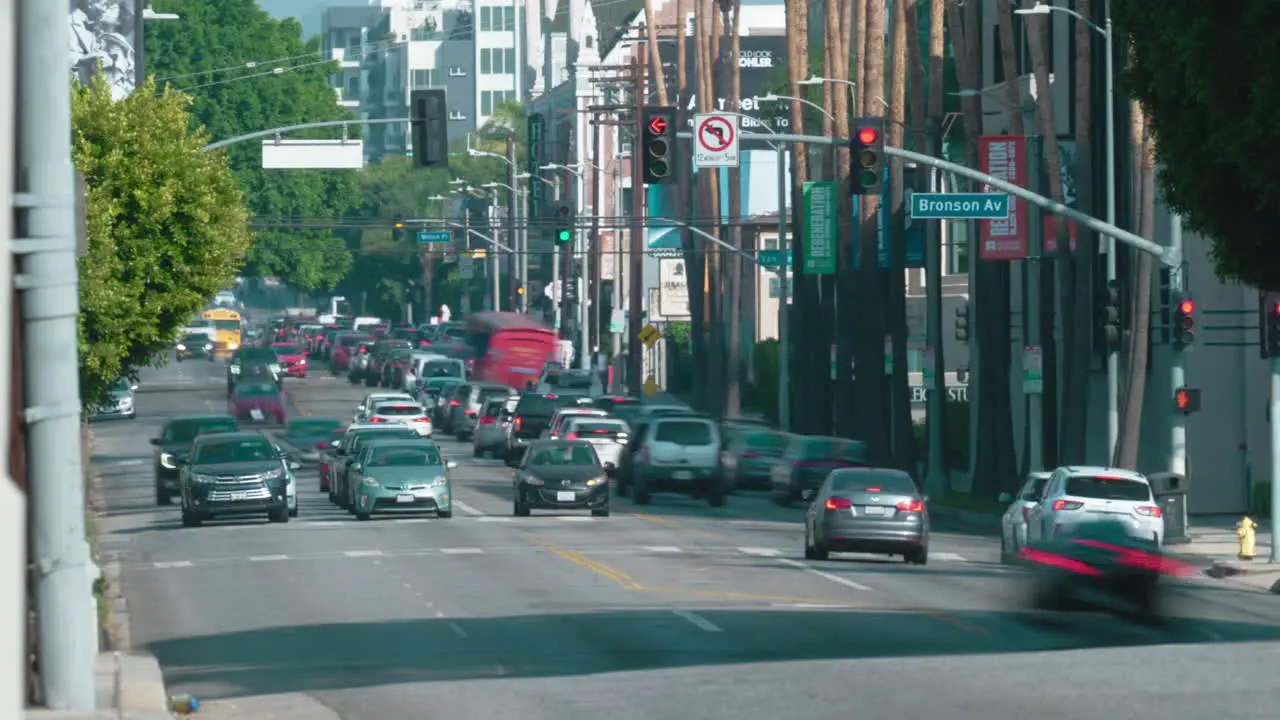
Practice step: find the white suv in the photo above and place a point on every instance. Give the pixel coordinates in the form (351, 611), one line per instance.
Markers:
(405, 412)
(1076, 496)
(678, 453)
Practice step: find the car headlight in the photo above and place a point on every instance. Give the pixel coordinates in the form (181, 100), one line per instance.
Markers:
(235, 369)
(370, 482)
(533, 481)
(232, 346)
(166, 460)
(272, 475)
(439, 481)
(201, 479)
(597, 481)
(181, 346)
(208, 346)
(274, 367)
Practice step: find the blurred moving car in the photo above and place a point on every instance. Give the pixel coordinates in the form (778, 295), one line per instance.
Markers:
(470, 397)
(345, 345)
(1080, 495)
(239, 473)
(868, 510)
(401, 476)
(606, 434)
(292, 358)
(256, 401)
(749, 455)
(193, 346)
(121, 402)
(366, 406)
(173, 444)
(676, 453)
(555, 426)
(328, 457)
(561, 475)
(251, 356)
(490, 436)
(305, 436)
(532, 414)
(1013, 524)
(808, 460)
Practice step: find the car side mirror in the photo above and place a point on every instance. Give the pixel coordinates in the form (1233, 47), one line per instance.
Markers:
(133, 386)
(1005, 497)
(357, 466)
(924, 499)
(450, 465)
(335, 444)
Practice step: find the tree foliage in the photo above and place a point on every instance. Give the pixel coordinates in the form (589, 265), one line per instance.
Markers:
(1202, 72)
(166, 223)
(194, 55)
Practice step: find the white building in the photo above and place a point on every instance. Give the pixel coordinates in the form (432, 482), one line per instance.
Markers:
(389, 48)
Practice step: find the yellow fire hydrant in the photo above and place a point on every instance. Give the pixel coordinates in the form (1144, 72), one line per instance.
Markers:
(1248, 538)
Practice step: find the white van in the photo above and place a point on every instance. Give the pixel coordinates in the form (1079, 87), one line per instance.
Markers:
(365, 321)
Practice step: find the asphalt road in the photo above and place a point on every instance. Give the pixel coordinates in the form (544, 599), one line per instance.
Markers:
(677, 611)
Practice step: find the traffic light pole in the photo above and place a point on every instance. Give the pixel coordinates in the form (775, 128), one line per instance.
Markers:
(1273, 365)
(1177, 369)
(557, 291)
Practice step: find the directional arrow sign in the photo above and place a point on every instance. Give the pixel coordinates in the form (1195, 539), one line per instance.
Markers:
(959, 206)
(658, 125)
(426, 237)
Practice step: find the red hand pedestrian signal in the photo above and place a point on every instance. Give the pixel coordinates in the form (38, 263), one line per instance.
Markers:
(1182, 399)
(658, 125)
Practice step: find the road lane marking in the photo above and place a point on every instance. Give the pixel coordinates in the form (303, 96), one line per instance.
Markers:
(323, 523)
(599, 568)
(457, 630)
(467, 509)
(662, 549)
(823, 574)
(175, 564)
(412, 521)
(462, 551)
(760, 552)
(363, 553)
(494, 518)
(947, 557)
(128, 463)
(267, 558)
(575, 518)
(698, 621)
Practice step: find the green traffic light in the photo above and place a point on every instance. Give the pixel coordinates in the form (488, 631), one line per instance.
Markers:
(564, 236)
(867, 178)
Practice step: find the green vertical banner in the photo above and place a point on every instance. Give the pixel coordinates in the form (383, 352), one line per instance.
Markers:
(819, 228)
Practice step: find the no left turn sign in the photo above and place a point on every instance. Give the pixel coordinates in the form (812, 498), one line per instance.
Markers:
(716, 140)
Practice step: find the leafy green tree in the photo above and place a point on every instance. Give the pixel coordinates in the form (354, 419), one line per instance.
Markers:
(1202, 73)
(193, 55)
(166, 222)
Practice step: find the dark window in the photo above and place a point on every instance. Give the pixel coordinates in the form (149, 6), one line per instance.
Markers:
(1108, 488)
(404, 457)
(397, 410)
(542, 404)
(587, 429)
(684, 432)
(565, 455)
(236, 451)
(888, 482)
(1035, 489)
(187, 430)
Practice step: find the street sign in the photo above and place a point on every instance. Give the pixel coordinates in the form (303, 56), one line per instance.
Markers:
(1032, 370)
(650, 335)
(715, 141)
(466, 267)
(650, 386)
(959, 206)
(772, 259)
(430, 237)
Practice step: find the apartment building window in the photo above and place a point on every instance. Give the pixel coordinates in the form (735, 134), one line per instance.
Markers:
(491, 99)
(353, 45)
(497, 19)
(497, 61)
(353, 88)
(426, 78)
(425, 31)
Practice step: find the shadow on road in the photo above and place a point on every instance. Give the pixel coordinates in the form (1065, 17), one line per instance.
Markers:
(340, 656)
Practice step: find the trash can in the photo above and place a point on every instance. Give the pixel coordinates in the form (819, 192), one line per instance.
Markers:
(1171, 496)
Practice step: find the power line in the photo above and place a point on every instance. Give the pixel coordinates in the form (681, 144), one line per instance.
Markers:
(365, 50)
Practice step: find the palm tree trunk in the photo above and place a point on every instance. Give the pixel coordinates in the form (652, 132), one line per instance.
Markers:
(655, 58)
(1130, 440)
(692, 257)
(899, 385)
(804, 287)
(734, 278)
(835, 288)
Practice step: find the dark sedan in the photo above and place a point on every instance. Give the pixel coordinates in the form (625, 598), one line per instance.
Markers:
(561, 475)
(174, 443)
(239, 473)
(868, 510)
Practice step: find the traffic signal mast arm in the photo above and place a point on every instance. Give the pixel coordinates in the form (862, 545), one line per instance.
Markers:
(1171, 256)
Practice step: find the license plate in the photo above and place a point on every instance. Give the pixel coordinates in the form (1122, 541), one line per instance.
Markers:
(256, 414)
(875, 510)
(566, 496)
(682, 475)
(406, 498)
(239, 496)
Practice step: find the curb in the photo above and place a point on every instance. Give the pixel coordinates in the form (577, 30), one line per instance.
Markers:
(1234, 572)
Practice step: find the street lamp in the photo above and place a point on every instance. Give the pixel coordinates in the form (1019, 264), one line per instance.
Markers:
(1113, 356)
(789, 98)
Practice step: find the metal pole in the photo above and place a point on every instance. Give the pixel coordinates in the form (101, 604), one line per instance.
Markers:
(635, 289)
(513, 208)
(13, 504)
(1274, 425)
(784, 292)
(1035, 400)
(1177, 371)
(1113, 355)
(50, 308)
(523, 249)
(936, 479)
(596, 249)
(580, 240)
(558, 292)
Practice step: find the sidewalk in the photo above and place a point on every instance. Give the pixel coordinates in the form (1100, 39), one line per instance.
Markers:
(128, 686)
(1215, 547)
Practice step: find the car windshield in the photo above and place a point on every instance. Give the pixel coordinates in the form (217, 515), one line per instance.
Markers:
(235, 451)
(398, 410)
(442, 368)
(286, 349)
(834, 450)
(256, 389)
(1108, 488)
(194, 340)
(404, 457)
(564, 455)
(856, 481)
(570, 381)
(1034, 489)
(543, 404)
(181, 431)
(260, 355)
(311, 428)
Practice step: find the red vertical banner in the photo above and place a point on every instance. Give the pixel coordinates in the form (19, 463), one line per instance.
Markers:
(1004, 157)
(1051, 234)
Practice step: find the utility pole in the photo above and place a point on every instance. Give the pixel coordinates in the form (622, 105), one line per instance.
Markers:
(1177, 370)
(513, 237)
(522, 250)
(557, 291)
(635, 358)
(13, 502)
(595, 252)
(50, 308)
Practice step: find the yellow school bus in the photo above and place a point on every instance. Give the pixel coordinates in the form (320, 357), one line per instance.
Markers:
(226, 327)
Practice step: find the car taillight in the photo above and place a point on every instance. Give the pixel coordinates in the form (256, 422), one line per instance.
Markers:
(486, 421)
(1026, 514)
(376, 420)
(518, 422)
(839, 503)
(422, 419)
(1150, 511)
(468, 411)
(571, 436)
(453, 403)
(1066, 505)
(911, 506)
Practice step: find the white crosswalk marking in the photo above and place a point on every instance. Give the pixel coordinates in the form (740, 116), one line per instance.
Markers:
(575, 518)
(462, 551)
(760, 552)
(175, 564)
(947, 557)
(268, 558)
(662, 549)
(363, 553)
(494, 518)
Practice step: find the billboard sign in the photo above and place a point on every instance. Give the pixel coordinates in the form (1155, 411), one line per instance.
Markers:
(104, 33)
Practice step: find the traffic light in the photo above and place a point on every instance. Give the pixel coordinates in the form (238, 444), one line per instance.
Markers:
(1110, 317)
(564, 224)
(429, 123)
(1183, 327)
(1186, 399)
(962, 322)
(658, 131)
(1269, 323)
(397, 228)
(867, 144)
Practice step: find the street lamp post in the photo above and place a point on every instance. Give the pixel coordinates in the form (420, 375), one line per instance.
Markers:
(834, 149)
(1113, 355)
(580, 251)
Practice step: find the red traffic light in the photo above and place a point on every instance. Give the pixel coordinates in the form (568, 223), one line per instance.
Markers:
(658, 125)
(1186, 307)
(1182, 399)
(867, 136)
